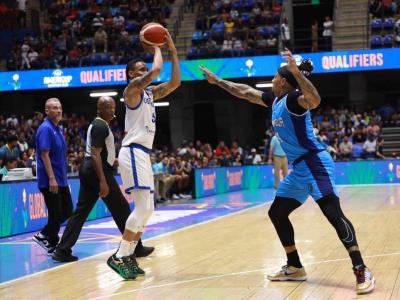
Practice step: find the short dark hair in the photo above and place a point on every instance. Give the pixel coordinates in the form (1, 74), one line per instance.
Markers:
(11, 138)
(130, 65)
(305, 67)
(9, 158)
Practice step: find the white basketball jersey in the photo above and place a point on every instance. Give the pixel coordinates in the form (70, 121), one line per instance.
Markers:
(140, 121)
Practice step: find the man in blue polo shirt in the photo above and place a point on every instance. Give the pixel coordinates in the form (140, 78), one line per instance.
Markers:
(52, 175)
(280, 160)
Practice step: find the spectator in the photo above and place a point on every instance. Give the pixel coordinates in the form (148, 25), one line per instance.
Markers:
(261, 44)
(279, 158)
(22, 144)
(97, 22)
(217, 30)
(10, 162)
(346, 148)
(22, 13)
(229, 26)
(227, 46)
(220, 148)
(327, 33)
(254, 158)
(100, 40)
(212, 47)
(24, 56)
(272, 44)
(379, 148)
(166, 181)
(373, 129)
(33, 58)
(119, 22)
(237, 47)
(314, 36)
(370, 147)
(285, 34)
(9, 149)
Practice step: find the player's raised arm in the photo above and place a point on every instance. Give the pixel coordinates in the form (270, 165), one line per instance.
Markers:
(239, 90)
(142, 78)
(163, 89)
(310, 98)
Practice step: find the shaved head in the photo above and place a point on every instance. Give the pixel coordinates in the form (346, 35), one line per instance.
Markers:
(106, 108)
(103, 101)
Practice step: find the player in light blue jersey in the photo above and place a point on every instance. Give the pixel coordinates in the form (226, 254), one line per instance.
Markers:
(292, 98)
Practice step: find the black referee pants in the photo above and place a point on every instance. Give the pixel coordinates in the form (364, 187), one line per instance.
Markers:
(88, 195)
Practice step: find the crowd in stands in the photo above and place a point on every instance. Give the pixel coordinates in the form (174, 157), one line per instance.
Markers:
(351, 135)
(346, 133)
(88, 32)
(385, 23)
(236, 28)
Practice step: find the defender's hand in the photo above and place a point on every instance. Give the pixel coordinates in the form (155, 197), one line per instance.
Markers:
(210, 76)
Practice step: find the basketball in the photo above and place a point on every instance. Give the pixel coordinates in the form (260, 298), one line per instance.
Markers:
(153, 34)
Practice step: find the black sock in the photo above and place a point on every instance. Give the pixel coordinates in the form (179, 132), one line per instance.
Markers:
(356, 258)
(293, 259)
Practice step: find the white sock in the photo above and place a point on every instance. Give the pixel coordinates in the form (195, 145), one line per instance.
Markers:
(124, 248)
(132, 248)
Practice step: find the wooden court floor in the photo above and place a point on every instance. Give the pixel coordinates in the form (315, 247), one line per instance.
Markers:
(230, 257)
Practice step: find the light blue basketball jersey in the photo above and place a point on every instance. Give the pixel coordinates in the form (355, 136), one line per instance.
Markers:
(294, 132)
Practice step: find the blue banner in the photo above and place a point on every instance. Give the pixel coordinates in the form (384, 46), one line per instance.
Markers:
(214, 181)
(22, 206)
(239, 67)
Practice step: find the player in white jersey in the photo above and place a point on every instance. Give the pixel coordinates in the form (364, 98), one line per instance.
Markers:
(134, 158)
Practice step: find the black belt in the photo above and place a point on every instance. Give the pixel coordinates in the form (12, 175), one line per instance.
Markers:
(306, 155)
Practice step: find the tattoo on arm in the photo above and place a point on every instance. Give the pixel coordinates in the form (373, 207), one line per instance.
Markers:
(311, 97)
(160, 91)
(242, 91)
(142, 82)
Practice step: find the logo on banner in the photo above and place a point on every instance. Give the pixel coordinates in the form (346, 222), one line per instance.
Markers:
(398, 171)
(234, 178)
(37, 206)
(57, 79)
(208, 181)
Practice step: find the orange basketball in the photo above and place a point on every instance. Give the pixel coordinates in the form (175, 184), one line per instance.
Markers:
(153, 34)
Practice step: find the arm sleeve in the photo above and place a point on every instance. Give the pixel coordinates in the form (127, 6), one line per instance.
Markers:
(293, 105)
(98, 134)
(267, 98)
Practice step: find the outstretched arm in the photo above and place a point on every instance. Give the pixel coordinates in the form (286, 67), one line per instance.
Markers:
(135, 86)
(239, 90)
(310, 98)
(166, 88)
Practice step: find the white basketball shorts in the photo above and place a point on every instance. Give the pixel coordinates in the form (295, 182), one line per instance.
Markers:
(135, 168)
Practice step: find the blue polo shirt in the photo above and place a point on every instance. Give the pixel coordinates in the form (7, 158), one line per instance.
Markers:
(50, 137)
(276, 147)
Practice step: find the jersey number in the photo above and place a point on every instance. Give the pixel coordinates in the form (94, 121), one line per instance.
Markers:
(153, 118)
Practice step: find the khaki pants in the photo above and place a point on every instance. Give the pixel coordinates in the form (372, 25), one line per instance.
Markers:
(280, 163)
(165, 184)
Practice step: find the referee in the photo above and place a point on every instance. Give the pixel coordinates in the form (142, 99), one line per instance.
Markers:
(97, 180)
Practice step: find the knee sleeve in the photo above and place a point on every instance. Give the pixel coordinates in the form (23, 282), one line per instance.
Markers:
(281, 208)
(144, 207)
(279, 214)
(330, 206)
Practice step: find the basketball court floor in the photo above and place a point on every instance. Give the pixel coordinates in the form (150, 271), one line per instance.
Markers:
(219, 247)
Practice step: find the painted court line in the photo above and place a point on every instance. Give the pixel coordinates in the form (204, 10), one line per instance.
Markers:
(63, 265)
(228, 275)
